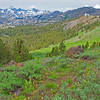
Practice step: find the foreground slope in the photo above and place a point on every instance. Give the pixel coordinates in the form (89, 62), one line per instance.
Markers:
(53, 78)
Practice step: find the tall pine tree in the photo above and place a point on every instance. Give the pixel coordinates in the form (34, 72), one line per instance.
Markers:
(21, 53)
(62, 47)
(4, 58)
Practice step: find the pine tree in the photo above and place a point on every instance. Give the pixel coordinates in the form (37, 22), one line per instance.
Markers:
(99, 44)
(55, 51)
(4, 58)
(21, 53)
(62, 47)
(87, 45)
(83, 46)
(94, 44)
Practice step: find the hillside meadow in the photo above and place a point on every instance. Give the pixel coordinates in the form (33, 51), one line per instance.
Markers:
(38, 66)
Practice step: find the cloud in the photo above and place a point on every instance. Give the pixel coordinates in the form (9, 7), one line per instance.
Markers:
(49, 4)
(97, 6)
(32, 6)
(87, 6)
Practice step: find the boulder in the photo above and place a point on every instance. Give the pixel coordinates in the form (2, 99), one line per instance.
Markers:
(11, 63)
(17, 92)
(19, 64)
(74, 50)
(0, 70)
(86, 58)
(14, 63)
(45, 61)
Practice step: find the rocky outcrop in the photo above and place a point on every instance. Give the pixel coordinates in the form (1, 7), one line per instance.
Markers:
(14, 63)
(74, 50)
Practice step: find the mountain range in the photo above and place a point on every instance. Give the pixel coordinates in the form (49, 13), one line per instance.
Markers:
(19, 16)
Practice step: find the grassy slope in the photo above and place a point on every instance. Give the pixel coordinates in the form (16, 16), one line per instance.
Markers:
(57, 78)
(82, 38)
(73, 79)
(64, 77)
(93, 35)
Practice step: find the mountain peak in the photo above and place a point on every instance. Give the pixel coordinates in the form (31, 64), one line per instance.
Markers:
(20, 16)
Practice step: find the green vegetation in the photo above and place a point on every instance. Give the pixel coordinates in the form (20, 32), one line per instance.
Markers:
(62, 47)
(4, 55)
(50, 74)
(37, 37)
(21, 53)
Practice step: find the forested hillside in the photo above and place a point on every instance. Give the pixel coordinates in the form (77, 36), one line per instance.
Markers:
(41, 36)
(58, 61)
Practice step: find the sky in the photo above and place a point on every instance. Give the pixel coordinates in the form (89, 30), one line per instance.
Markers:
(62, 5)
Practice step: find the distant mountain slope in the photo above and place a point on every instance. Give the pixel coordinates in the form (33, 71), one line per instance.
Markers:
(84, 20)
(21, 13)
(19, 16)
(81, 11)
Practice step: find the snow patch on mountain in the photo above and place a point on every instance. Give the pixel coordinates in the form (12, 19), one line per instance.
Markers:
(22, 12)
